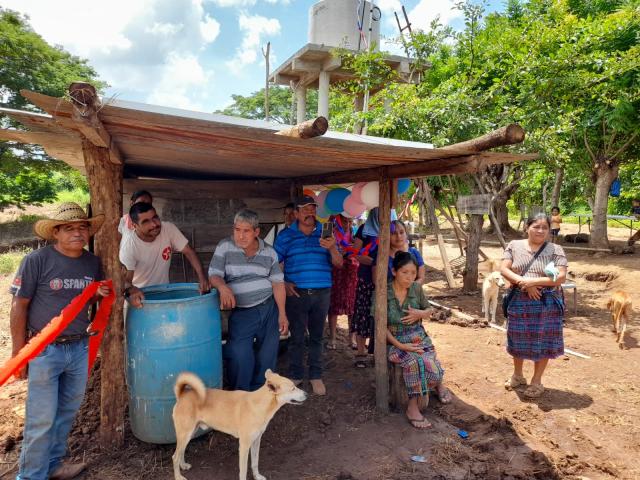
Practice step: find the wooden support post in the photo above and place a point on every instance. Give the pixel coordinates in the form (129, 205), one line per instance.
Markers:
(470, 277)
(105, 185)
(295, 191)
(382, 373)
(436, 228)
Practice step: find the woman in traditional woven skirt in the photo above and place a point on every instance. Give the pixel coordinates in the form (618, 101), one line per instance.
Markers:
(411, 347)
(344, 279)
(536, 310)
(362, 321)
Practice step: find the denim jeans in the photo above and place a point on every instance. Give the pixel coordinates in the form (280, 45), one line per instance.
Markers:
(57, 382)
(252, 348)
(307, 312)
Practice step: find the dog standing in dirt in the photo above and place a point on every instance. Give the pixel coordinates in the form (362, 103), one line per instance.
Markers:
(245, 415)
(490, 289)
(620, 307)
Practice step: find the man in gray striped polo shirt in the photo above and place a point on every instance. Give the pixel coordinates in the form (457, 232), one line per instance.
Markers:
(247, 275)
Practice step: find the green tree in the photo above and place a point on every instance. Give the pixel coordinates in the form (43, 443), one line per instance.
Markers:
(281, 105)
(28, 62)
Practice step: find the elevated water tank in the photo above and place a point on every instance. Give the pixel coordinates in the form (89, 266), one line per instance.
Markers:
(334, 23)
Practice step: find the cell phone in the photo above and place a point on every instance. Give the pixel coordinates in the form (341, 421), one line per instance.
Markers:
(327, 230)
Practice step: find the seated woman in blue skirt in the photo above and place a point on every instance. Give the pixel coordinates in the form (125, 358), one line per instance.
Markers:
(411, 347)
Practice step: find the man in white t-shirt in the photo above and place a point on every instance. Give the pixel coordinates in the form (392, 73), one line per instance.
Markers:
(146, 253)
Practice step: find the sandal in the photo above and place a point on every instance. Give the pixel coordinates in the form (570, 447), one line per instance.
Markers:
(331, 345)
(515, 381)
(361, 361)
(534, 390)
(444, 396)
(419, 423)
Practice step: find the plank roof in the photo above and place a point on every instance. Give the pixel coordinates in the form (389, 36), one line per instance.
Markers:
(162, 142)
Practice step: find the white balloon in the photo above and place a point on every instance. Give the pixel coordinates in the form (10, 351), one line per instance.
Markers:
(370, 194)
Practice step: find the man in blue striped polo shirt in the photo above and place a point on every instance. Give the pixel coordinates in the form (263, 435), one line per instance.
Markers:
(308, 261)
(247, 275)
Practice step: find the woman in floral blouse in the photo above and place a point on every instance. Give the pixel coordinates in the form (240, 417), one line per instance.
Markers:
(411, 347)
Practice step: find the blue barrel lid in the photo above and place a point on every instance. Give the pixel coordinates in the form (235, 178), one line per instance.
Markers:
(166, 288)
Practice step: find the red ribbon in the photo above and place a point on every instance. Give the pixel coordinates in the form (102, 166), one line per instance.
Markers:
(57, 324)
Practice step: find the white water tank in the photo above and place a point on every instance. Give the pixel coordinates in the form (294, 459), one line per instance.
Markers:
(334, 23)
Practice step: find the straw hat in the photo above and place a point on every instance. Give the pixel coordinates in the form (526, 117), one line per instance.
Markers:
(68, 212)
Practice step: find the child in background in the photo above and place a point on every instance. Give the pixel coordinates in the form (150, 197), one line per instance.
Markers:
(556, 220)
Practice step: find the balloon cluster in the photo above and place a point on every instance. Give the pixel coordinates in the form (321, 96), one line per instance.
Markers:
(350, 203)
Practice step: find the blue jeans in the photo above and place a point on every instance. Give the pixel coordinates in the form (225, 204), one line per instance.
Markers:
(57, 382)
(252, 347)
(307, 312)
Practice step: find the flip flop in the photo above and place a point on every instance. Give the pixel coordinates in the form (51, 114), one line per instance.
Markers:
(361, 361)
(331, 346)
(419, 423)
(515, 381)
(534, 390)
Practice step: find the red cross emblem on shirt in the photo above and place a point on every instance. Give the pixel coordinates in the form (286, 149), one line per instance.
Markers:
(166, 253)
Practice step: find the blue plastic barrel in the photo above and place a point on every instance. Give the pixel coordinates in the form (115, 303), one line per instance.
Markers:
(176, 330)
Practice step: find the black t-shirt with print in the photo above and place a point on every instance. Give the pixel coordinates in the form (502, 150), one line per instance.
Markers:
(51, 280)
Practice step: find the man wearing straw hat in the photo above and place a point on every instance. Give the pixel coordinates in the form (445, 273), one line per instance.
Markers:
(46, 282)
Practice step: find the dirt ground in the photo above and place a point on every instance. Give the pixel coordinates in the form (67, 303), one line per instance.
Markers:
(585, 426)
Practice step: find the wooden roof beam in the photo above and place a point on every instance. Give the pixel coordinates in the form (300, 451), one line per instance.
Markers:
(63, 147)
(86, 106)
(447, 166)
(77, 117)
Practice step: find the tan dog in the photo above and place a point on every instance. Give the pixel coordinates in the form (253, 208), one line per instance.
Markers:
(490, 289)
(620, 307)
(245, 415)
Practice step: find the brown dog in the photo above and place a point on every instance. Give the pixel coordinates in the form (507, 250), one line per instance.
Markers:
(245, 415)
(620, 307)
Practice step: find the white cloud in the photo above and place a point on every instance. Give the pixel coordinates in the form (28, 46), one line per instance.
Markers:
(181, 76)
(234, 3)
(152, 49)
(254, 29)
(245, 3)
(427, 10)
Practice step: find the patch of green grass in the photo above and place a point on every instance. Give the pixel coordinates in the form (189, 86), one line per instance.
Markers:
(29, 218)
(77, 195)
(10, 261)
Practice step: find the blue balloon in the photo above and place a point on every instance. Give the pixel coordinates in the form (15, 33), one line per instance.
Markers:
(335, 200)
(403, 185)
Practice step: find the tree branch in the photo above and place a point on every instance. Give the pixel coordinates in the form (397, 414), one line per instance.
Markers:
(625, 146)
(588, 147)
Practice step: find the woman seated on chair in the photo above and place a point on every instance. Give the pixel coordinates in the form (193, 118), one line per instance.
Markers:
(411, 347)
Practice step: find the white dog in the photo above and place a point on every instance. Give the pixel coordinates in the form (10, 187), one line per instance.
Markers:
(490, 288)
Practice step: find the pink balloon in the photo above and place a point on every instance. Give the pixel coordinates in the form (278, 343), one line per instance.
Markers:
(353, 208)
(321, 197)
(356, 191)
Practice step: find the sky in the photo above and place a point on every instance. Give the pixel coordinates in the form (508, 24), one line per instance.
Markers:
(194, 54)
